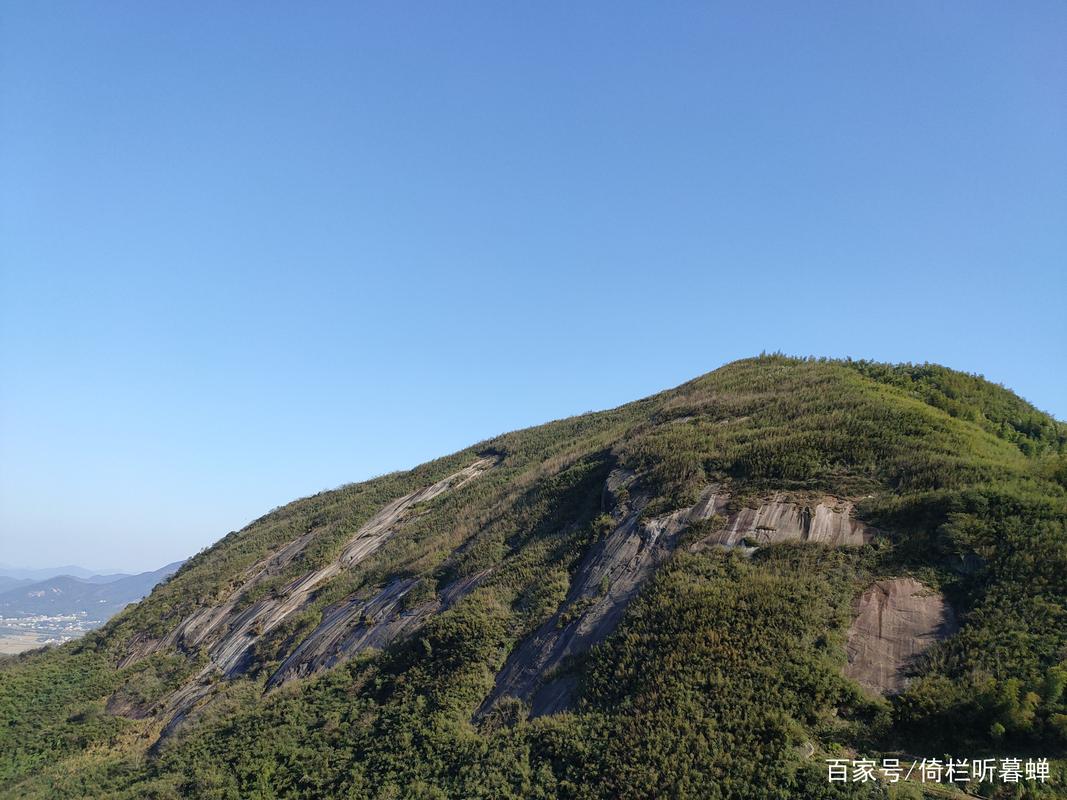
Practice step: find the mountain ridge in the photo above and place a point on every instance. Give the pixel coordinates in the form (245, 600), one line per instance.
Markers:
(43, 573)
(514, 583)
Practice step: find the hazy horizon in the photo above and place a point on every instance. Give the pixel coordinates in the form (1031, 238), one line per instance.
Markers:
(8, 567)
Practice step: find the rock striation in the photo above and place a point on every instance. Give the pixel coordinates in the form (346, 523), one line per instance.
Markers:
(896, 621)
(230, 632)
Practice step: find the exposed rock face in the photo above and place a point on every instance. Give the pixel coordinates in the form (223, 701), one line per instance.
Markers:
(776, 520)
(231, 634)
(614, 570)
(353, 625)
(121, 704)
(608, 578)
(896, 620)
(139, 647)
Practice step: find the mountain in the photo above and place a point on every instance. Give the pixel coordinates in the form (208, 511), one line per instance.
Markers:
(43, 573)
(100, 596)
(7, 582)
(706, 593)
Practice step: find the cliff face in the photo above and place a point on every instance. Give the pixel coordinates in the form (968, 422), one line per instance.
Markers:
(229, 634)
(896, 621)
(609, 576)
(742, 563)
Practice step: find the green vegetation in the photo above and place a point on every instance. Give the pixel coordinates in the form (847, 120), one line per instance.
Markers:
(724, 679)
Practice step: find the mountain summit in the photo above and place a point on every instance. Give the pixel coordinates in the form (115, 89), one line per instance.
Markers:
(705, 593)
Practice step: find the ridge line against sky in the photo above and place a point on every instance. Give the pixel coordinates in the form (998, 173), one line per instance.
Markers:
(246, 257)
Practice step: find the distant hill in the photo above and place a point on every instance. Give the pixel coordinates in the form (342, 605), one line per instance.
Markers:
(100, 596)
(42, 573)
(7, 582)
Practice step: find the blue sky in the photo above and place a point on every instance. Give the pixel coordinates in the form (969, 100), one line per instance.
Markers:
(250, 251)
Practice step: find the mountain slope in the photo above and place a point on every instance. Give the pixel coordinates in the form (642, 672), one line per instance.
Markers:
(671, 598)
(7, 583)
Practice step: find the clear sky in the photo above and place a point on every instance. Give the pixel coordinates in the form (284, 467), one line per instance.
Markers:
(254, 250)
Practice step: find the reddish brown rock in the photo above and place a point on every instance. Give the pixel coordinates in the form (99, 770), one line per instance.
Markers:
(896, 620)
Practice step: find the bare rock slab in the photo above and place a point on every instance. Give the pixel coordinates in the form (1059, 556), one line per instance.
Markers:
(896, 621)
